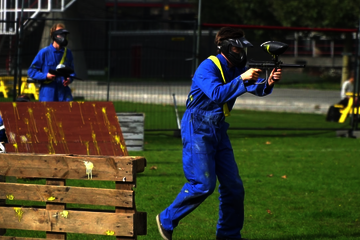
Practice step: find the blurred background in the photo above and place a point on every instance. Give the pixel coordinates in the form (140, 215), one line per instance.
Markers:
(141, 54)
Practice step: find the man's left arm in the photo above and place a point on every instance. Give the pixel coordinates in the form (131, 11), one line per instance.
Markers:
(71, 64)
(264, 87)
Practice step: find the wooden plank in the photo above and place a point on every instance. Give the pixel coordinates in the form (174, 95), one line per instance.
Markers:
(55, 206)
(141, 223)
(86, 222)
(130, 117)
(132, 127)
(132, 136)
(59, 166)
(78, 148)
(23, 238)
(2, 203)
(125, 186)
(131, 142)
(67, 194)
(135, 148)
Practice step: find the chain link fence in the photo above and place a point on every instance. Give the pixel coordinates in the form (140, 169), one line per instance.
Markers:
(151, 70)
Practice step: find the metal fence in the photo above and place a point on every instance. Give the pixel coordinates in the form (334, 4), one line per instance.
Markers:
(146, 70)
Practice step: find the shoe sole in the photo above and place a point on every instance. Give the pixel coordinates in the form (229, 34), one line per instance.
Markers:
(159, 227)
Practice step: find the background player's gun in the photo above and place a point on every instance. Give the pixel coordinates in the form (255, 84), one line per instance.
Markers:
(61, 71)
(274, 49)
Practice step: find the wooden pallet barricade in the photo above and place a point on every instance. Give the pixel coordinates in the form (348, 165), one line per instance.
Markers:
(55, 219)
(132, 127)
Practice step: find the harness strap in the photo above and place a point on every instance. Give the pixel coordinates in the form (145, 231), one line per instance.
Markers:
(217, 63)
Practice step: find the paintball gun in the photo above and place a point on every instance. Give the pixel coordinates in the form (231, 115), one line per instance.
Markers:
(275, 49)
(61, 71)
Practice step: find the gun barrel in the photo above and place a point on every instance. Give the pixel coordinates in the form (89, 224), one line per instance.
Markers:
(292, 65)
(272, 65)
(261, 65)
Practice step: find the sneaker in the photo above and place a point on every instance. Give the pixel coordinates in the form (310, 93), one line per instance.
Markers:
(166, 235)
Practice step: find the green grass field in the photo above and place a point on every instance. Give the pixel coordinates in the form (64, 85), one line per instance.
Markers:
(318, 198)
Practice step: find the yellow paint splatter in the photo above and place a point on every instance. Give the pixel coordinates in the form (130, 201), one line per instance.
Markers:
(32, 119)
(12, 137)
(62, 136)
(19, 213)
(95, 142)
(87, 147)
(52, 198)
(23, 139)
(50, 145)
(10, 197)
(123, 148)
(89, 167)
(51, 133)
(82, 117)
(64, 214)
(16, 147)
(118, 141)
(111, 233)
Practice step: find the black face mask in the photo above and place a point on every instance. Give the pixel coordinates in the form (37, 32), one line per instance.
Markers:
(60, 37)
(237, 59)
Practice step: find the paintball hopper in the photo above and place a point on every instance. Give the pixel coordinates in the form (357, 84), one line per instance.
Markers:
(274, 48)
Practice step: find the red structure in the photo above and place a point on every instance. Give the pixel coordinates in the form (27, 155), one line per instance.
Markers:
(83, 128)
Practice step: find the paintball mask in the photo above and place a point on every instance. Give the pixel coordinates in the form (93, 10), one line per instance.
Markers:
(237, 59)
(60, 37)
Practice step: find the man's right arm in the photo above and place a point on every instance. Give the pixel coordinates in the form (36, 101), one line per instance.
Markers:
(36, 67)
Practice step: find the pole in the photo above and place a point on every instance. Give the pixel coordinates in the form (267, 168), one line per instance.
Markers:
(16, 61)
(355, 118)
(176, 112)
(115, 15)
(198, 35)
(193, 67)
(109, 67)
(21, 28)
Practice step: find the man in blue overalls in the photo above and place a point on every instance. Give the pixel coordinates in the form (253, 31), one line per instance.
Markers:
(207, 151)
(53, 88)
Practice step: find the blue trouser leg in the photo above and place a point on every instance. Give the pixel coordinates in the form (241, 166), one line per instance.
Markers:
(199, 170)
(231, 209)
(207, 153)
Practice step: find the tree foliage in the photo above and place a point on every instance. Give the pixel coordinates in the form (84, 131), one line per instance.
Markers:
(294, 13)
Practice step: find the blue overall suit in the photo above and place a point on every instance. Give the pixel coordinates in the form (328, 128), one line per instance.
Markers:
(207, 151)
(48, 58)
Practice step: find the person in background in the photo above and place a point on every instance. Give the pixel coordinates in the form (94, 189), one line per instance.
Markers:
(346, 88)
(347, 91)
(207, 151)
(53, 88)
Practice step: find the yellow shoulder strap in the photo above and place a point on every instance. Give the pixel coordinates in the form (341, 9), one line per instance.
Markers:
(217, 63)
(63, 57)
(61, 62)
